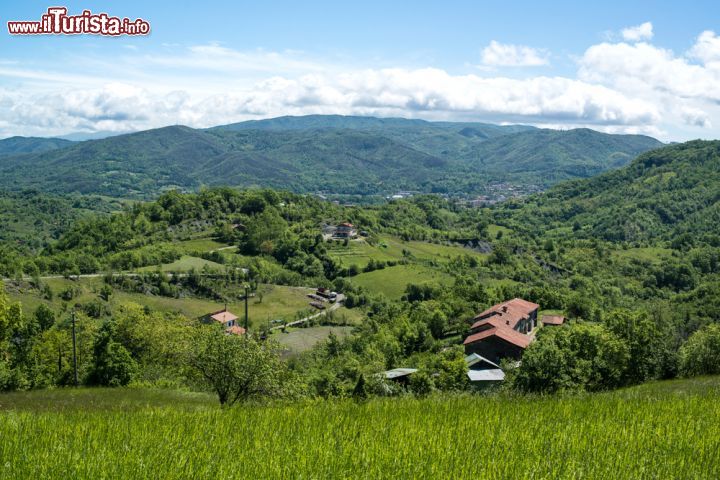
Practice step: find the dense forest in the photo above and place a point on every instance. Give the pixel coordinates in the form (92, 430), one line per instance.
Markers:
(631, 258)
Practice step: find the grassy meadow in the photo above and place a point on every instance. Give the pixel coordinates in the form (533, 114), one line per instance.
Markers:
(359, 252)
(184, 264)
(278, 301)
(392, 281)
(659, 430)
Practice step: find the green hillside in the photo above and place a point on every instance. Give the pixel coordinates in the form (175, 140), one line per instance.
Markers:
(343, 155)
(30, 218)
(557, 155)
(670, 194)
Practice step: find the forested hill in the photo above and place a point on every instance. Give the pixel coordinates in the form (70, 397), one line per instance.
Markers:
(346, 155)
(558, 155)
(18, 145)
(669, 194)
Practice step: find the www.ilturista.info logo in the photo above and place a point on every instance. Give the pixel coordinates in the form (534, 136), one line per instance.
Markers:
(57, 22)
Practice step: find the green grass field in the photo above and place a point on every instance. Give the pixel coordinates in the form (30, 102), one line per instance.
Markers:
(391, 281)
(391, 248)
(184, 264)
(300, 340)
(199, 245)
(278, 302)
(656, 431)
(649, 254)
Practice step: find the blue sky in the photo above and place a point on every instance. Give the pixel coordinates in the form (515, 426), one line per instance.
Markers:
(635, 67)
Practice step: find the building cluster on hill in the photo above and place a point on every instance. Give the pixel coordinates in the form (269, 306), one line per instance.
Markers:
(502, 332)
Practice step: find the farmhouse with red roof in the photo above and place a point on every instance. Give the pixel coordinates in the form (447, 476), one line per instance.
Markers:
(345, 230)
(503, 330)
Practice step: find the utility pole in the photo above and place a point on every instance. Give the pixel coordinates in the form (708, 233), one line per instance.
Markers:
(74, 349)
(247, 293)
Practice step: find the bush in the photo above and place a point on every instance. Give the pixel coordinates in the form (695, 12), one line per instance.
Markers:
(574, 357)
(700, 355)
(421, 384)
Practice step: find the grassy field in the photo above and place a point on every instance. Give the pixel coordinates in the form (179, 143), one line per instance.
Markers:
(278, 302)
(199, 245)
(391, 248)
(303, 339)
(184, 264)
(657, 431)
(391, 281)
(649, 254)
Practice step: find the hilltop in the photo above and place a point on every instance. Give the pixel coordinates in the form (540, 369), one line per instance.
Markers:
(19, 145)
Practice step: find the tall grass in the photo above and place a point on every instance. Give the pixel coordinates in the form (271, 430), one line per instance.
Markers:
(660, 432)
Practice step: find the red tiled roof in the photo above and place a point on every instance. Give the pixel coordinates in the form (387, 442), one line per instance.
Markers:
(553, 319)
(235, 330)
(223, 316)
(503, 332)
(346, 224)
(514, 311)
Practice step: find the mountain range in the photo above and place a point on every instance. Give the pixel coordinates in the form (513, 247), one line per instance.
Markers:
(338, 154)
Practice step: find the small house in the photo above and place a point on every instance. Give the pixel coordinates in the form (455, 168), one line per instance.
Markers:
(552, 320)
(224, 317)
(503, 330)
(345, 230)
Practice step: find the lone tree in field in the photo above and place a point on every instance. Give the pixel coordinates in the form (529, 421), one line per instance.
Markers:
(238, 368)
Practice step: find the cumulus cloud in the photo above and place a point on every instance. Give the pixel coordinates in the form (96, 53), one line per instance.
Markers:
(631, 87)
(706, 48)
(644, 31)
(506, 55)
(426, 93)
(696, 117)
(642, 68)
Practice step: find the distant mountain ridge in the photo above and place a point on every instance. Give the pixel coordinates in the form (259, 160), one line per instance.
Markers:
(18, 145)
(347, 155)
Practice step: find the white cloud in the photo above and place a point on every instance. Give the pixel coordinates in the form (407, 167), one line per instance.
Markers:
(644, 31)
(706, 48)
(426, 93)
(505, 55)
(695, 117)
(641, 68)
(631, 87)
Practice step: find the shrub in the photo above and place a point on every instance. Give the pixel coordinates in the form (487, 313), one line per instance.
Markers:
(700, 355)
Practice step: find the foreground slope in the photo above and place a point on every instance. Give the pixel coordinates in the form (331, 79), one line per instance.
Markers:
(661, 430)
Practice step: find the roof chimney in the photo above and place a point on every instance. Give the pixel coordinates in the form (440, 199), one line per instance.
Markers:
(504, 308)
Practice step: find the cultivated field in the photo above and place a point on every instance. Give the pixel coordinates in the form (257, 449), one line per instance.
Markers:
(660, 431)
